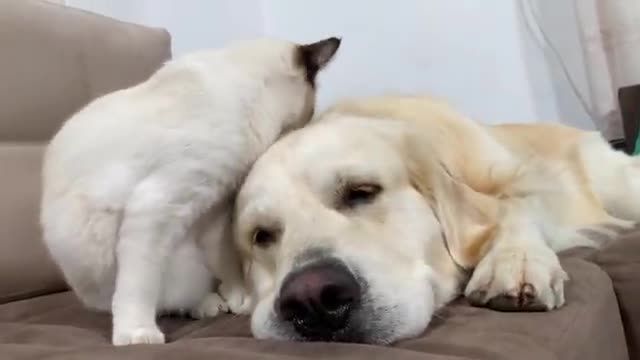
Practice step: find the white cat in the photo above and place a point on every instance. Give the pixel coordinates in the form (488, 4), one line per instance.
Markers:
(138, 185)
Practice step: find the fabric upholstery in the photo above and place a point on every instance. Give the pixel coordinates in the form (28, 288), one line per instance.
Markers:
(25, 267)
(587, 328)
(53, 61)
(621, 261)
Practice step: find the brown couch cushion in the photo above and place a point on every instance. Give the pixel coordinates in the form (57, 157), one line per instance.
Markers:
(621, 261)
(25, 268)
(53, 60)
(587, 328)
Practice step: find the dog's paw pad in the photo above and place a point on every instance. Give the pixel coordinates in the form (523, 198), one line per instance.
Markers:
(140, 335)
(530, 280)
(477, 297)
(523, 299)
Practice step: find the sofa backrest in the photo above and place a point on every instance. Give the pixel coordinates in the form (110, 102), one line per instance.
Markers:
(53, 60)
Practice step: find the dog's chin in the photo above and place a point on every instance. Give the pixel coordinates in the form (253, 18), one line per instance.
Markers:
(388, 311)
(370, 324)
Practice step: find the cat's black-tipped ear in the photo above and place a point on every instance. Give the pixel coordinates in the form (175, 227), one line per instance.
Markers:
(315, 56)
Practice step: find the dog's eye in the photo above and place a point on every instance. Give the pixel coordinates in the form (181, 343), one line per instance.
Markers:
(360, 194)
(263, 237)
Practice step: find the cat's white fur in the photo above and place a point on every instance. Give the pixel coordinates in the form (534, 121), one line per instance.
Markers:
(138, 184)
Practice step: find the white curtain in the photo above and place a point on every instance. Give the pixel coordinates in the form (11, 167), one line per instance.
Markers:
(610, 31)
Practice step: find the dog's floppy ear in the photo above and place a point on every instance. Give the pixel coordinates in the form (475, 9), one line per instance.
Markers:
(469, 219)
(315, 56)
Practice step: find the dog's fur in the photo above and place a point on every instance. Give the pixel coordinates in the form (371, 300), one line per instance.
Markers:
(138, 185)
(456, 197)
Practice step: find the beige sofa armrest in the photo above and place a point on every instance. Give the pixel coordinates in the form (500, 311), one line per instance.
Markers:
(54, 60)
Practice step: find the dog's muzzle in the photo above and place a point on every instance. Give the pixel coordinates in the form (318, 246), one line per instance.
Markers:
(319, 300)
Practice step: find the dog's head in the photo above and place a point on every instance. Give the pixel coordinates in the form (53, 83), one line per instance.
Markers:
(277, 78)
(341, 226)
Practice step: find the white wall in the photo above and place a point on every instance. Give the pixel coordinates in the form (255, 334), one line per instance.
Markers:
(193, 24)
(474, 53)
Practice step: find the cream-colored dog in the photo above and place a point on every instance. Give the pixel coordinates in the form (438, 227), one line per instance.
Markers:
(361, 225)
(138, 185)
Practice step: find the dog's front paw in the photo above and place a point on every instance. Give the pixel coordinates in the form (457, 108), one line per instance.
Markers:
(137, 335)
(518, 279)
(237, 298)
(210, 306)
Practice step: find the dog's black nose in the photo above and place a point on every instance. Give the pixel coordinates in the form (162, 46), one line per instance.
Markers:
(319, 299)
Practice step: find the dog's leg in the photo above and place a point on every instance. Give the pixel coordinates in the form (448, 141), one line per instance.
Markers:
(233, 287)
(520, 272)
(157, 218)
(224, 260)
(236, 296)
(188, 284)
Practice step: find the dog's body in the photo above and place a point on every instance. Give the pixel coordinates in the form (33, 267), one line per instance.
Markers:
(402, 196)
(138, 185)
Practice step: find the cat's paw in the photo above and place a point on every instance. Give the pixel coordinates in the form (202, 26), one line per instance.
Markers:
(210, 306)
(237, 298)
(137, 335)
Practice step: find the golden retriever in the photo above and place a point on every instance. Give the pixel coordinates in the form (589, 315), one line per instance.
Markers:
(358, 227)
